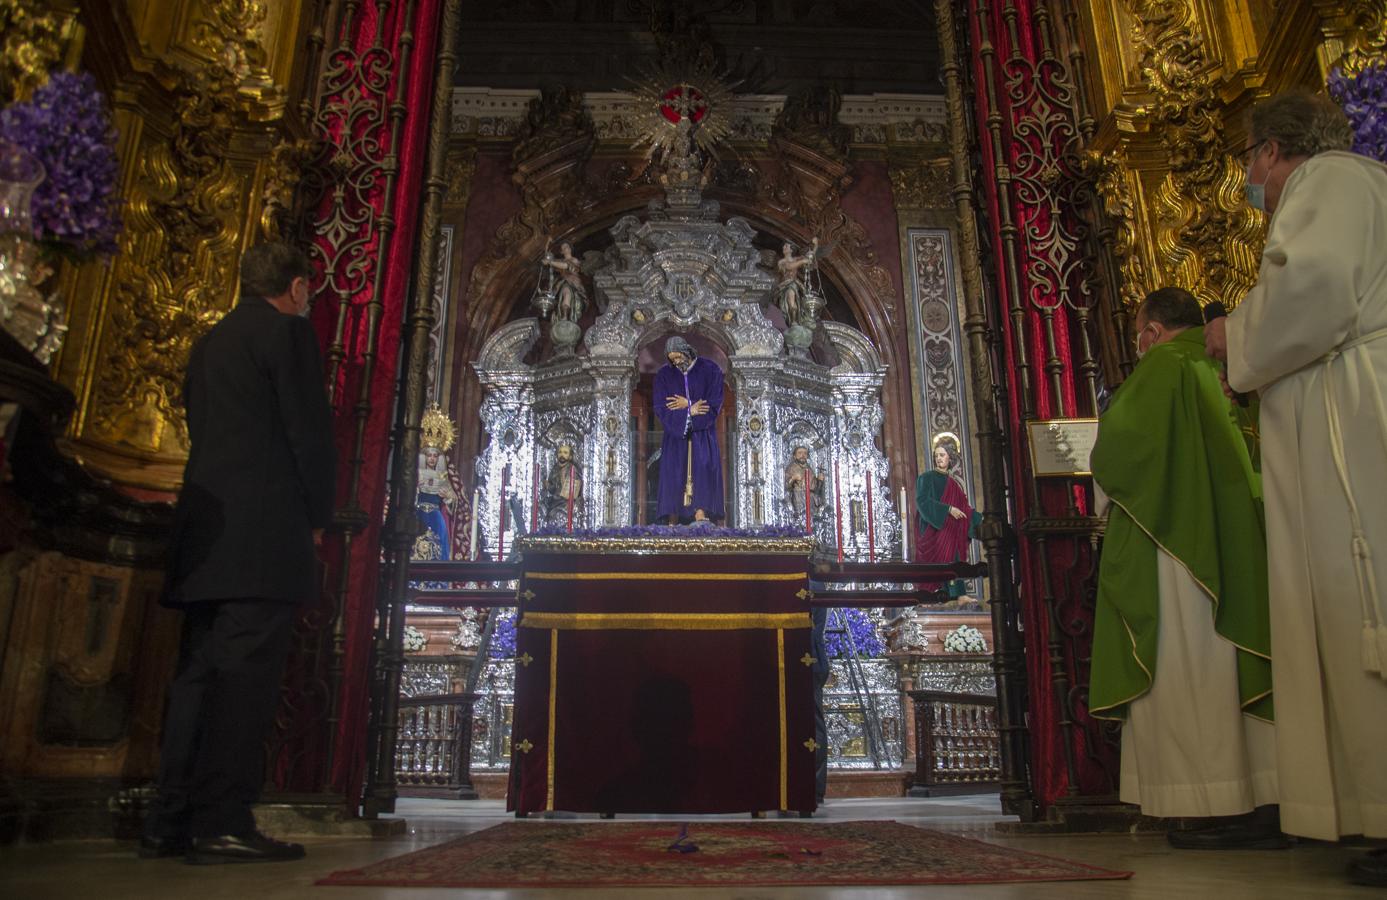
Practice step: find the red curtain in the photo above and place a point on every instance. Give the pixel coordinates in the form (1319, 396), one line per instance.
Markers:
(364, 238)
(1035, 126)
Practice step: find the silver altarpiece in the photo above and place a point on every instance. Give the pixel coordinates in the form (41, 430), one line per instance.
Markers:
(678, 269)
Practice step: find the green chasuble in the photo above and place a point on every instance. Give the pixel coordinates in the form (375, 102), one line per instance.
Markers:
(1174, 460)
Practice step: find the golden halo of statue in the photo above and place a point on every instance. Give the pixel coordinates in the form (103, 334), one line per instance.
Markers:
(436, 430)
(946, 435)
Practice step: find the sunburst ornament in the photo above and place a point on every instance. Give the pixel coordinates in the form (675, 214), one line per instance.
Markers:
(668, 96)
(436, 430)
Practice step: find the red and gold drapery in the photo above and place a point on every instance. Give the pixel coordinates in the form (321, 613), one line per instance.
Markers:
(373, 100)
(1026, 116)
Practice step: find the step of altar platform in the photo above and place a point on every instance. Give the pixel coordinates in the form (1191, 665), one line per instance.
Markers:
(866, 783)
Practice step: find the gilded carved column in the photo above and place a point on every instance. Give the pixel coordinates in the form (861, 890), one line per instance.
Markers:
(200, 91)
(1169, 84)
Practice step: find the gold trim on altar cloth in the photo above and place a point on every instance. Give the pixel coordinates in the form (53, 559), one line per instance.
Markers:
(663, 621)
(784, 725)
(666, 576)
(553, 716)
(693, 543)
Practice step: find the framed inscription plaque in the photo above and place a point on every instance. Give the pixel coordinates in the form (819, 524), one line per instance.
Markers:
(1061, 447)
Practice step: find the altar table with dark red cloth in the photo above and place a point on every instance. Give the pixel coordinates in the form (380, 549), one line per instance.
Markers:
(663, 676)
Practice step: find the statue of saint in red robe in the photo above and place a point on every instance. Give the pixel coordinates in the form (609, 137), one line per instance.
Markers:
(688, 395)
(947, 521)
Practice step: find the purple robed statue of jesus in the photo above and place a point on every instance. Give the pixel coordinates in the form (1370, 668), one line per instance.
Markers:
(688, 395)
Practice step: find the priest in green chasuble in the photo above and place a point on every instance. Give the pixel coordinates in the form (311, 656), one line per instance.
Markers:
(1181, 636)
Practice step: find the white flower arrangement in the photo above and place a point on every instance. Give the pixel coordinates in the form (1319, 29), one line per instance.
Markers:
(965, 639)
(415, 640)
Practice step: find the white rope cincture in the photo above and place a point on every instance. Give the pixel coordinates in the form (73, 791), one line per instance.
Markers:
(1374, 642)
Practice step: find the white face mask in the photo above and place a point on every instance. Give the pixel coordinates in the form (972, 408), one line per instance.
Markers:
(1256, 193)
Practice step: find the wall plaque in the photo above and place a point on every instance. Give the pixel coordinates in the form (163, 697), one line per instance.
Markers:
(1061, 447)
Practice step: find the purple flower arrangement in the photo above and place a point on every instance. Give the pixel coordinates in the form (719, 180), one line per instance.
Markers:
(862, 630)
(673, 531)
(503, 635)
(1364, 99)
(67, 127)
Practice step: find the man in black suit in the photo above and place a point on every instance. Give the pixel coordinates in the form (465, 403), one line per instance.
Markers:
(257, 494)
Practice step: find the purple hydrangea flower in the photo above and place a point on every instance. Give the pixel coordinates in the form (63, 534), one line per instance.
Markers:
(1364, 100)
(503, 635)
(67, 127)
(864, 635)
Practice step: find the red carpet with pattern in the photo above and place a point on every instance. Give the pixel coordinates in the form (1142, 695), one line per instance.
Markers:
(656, 854)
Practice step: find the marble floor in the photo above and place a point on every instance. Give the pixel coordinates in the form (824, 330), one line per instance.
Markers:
(107, 870)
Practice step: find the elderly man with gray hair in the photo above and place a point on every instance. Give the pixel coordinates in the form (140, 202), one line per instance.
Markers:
(1311, 337)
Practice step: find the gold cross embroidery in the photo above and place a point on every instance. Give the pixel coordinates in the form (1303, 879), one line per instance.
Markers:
(808, 660)
(528, 595)
(811, 745)
(524, 746)
(524, 659)
(805, 594)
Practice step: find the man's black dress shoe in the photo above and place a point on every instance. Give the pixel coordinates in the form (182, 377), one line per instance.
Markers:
(241, 848)
(1230, 837)
(1370, 870)
(159, 848)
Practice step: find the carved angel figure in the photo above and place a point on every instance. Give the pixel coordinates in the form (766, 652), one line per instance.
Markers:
(790, 291)
(572, 295)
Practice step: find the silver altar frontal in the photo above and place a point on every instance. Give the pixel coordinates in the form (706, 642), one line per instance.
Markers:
(680, 270)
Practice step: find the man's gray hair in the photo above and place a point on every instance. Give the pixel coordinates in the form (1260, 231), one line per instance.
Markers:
(1302, 123)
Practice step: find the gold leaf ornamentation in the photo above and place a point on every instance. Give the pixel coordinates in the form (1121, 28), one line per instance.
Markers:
(33, 44)
(230, 33)
(1113, 182)
(176, 273)
(1208, 239)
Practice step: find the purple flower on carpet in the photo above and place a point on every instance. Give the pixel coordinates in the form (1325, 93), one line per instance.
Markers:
(852, 629)
(503, 635)
(1364, 100)
(676, 531)
(67, 127)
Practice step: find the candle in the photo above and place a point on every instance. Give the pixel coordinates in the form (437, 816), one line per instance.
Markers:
(808, 503)
(871, 525)
(838, 509)
(534, 502)
(570, 500)
(472, 544)
(501, 536)
(905, 530)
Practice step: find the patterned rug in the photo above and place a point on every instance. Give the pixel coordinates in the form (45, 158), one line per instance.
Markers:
(671, 854)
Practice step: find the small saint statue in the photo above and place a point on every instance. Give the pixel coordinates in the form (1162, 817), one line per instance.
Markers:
(948, 523)
(790, 290)
(563, 489)
(799, 472)
(572, 297)
(434, 503)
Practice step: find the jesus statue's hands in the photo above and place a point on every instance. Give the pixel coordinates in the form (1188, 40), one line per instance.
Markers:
(676, 402)
(699, 408)
(955, 512)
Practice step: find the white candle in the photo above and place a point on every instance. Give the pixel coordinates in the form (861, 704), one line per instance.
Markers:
(905, 531)
(476, 499)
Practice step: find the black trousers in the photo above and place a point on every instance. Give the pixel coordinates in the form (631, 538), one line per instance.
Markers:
(221, 705)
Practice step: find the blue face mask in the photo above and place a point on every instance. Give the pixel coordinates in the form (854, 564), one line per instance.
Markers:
(1256, 193)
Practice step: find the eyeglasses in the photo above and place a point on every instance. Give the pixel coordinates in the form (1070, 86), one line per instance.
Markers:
(1245, 157)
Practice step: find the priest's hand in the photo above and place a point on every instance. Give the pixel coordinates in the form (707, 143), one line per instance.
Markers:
(700, 407)
(1223, 383)
(955, 512)
(1216, 339)
(676, 402)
